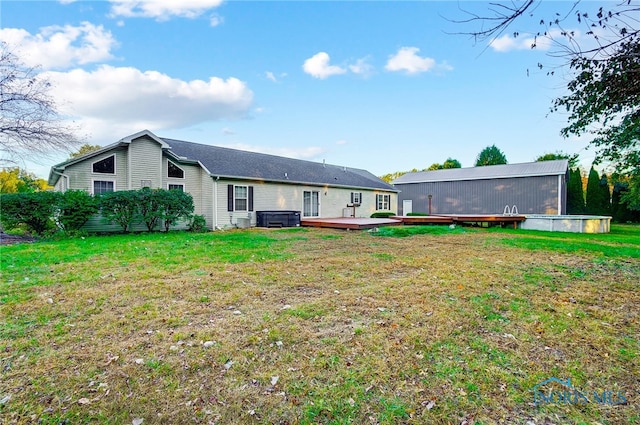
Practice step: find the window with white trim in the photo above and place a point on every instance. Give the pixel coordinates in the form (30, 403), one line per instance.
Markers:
(105, 166)
(179, 187)
(383, 202)
(241, 198)
(174, 171)
(356, 198)
(103, 186)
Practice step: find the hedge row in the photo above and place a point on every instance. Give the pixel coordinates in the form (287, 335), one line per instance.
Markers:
(44, 212)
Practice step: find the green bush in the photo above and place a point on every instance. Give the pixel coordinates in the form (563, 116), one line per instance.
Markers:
(417, 214)
(382, 214)
(178, 205)
(74, 209)
(198, 224)
(34, 210)
(120, 207)
(150, 206)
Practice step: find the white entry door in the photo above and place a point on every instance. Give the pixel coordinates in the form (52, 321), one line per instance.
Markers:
(407, 206)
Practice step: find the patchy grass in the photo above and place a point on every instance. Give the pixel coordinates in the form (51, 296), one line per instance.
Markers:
(315, 326)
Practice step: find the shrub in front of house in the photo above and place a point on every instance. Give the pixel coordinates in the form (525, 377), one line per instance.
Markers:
(178, 206)
(120, 207)
(417, 214)
(74, 209)
(33, 210)
(383, 214)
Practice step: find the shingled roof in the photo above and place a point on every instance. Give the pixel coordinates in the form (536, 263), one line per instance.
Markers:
(234, 163)
(527, 169)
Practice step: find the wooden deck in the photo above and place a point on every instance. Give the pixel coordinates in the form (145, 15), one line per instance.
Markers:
(368, 223)
(501, 219)
(350, 222)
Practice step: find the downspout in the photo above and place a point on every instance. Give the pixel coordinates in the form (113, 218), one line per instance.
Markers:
(215, 202)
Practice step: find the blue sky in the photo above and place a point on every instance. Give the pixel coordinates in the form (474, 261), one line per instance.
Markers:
(384, 86)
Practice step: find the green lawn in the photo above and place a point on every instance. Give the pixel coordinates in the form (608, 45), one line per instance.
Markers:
(310, 326)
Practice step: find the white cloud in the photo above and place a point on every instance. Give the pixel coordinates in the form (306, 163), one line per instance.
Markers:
(318, 66)
(362, 67)
(163, 9)
(227, 131)
(309, 152)
(341, 142)
(271, 76)
(507, 42)
(407, 60)
(215, 20)
(59, 47)
(128, 100)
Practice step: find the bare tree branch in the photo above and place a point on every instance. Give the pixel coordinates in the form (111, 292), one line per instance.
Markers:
(30, 123)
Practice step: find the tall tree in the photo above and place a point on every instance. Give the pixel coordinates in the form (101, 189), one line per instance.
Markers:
(592, 201)
(603, 98)
(573, 159)
(598, 194)
(29, 119)
(17, 180)
(490, 155)
(449, 163)
(575, 192)
(84, 149)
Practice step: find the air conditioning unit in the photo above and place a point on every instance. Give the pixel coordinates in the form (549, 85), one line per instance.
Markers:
(243, 223)
(347, 212)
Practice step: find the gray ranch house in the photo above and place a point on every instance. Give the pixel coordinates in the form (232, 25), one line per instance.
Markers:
(228, 186)
(533, 188)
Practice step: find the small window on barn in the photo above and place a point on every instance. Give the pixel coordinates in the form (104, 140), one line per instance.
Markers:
(174, 171)
(105, 166)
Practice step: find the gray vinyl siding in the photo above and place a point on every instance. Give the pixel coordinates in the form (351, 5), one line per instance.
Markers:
(81, 176)
(531, 195)
(278, 196)
(145, 157)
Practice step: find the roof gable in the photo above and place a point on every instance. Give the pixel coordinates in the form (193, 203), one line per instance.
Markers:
(527, 169)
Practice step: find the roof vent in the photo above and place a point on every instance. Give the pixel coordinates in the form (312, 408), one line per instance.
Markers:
(286, 176)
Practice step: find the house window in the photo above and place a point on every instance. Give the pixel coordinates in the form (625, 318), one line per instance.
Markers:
(241, 198)
(174, 171)
(383, 202)
(103, 186)
(105, 166)
(145, 183)
(179, 187)
(311, 203)
(356, 198)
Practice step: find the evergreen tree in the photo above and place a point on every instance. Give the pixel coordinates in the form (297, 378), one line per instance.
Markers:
(490, 155)
(593, 192)
(604, 198)
(575, 193)
(620, 211)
